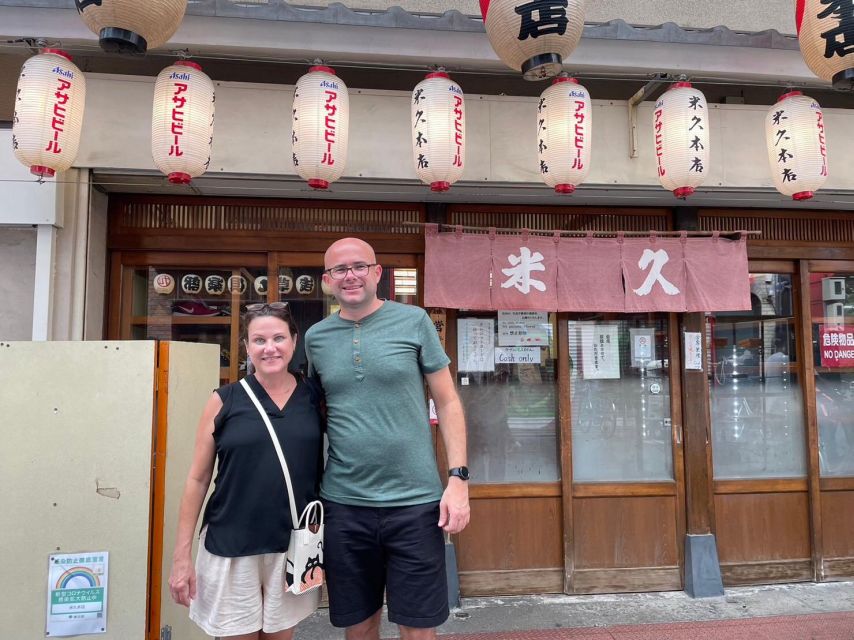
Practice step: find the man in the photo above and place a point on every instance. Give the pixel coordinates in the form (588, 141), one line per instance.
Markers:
(385, 507)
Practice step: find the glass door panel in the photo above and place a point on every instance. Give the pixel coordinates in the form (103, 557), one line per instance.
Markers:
(755, 392)
(506, 378)
(194, 304)
(620, 385)
(832, 310)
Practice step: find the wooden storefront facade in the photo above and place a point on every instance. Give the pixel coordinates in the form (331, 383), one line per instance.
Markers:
(580, 486)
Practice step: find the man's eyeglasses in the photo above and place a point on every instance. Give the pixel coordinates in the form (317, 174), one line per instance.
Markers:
(262, 306)
(359, 269)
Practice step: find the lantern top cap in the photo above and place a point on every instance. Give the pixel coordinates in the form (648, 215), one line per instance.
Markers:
(322, 68)
(682, 84)
(57, 52)
(437, 74)
(790, 94)
(560, 79)
(189, 63)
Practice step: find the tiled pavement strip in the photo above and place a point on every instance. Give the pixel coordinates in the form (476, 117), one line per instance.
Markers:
(826, 626)
(804, 611)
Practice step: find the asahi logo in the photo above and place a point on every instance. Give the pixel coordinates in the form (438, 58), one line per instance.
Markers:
(65, 73)
(179, 76)
(455, 89)
(577, 94)
(328, 84)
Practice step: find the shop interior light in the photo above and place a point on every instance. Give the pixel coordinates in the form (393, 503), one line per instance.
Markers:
(132, 26)
(797, 145)
(321, 122)
(438, 131)
(405, 282)
(533, 37)
(681, 132)
(826, 34)
(182, 121)
(48, 118)
(564, 134)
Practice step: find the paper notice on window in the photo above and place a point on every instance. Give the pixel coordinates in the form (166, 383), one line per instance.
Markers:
(523, 329)
(643, 346)
(77, 593)
(693, 351)
(475, 344)
(518, 355)
(600, 351)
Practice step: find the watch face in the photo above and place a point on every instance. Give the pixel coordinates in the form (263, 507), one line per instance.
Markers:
(460, 472)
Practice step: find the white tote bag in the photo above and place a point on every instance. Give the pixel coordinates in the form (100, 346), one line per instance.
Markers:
(304, 565)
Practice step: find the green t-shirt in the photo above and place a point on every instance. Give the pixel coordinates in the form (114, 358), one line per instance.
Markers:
(380, 445)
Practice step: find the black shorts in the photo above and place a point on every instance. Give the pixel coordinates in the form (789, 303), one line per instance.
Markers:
(399, 550)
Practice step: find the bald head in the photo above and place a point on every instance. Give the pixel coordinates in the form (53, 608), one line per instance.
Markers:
(348, 251)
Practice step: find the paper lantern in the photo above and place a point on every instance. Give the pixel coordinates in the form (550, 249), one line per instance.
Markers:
(237, 284)
(132, 26)
(182, 122)
(305, 285)
(191, 283)
(286, 283)
(681, 134)
(826, 36)
(215, 285)
(321, 120)
(438, 131)
(797, 147)
(564, 134)
(164, 284)
(260, 285)
(533, 37)
(48, 116)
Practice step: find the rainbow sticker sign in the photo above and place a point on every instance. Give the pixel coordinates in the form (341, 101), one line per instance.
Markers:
(77, 594)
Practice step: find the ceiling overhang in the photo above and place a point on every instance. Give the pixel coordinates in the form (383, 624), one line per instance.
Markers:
(260, 186)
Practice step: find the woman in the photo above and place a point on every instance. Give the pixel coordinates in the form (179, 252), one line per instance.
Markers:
(237, 587)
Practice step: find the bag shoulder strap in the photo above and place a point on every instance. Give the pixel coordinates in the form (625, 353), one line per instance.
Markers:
(278, 447)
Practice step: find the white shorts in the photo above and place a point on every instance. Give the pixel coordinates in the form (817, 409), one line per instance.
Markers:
(236, 596)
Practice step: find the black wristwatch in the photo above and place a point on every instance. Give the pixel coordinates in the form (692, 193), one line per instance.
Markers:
(460, 472)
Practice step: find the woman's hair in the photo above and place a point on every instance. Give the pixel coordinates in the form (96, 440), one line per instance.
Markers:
(272, 310)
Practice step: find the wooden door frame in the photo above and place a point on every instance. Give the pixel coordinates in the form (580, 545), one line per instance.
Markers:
(824, 568)
(603, 580)
(785, 570)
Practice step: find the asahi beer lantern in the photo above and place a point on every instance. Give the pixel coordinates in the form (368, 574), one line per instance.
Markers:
(164, 284)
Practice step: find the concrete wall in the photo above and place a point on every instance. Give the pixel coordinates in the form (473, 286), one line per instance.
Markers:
(253, 132)
(24, 200)
(17, 266)
(738, 15)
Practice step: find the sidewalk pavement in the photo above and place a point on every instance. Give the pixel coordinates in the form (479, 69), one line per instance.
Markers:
(805, 611)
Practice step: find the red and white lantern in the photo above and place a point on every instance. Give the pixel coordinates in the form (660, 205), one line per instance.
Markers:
(826, 36)
(681, 134)
(533, 36)
(321, 122)
(48, 119)
(797, 145)
(564, 134)
(132, 26)
(438, 131)
(182, 122)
